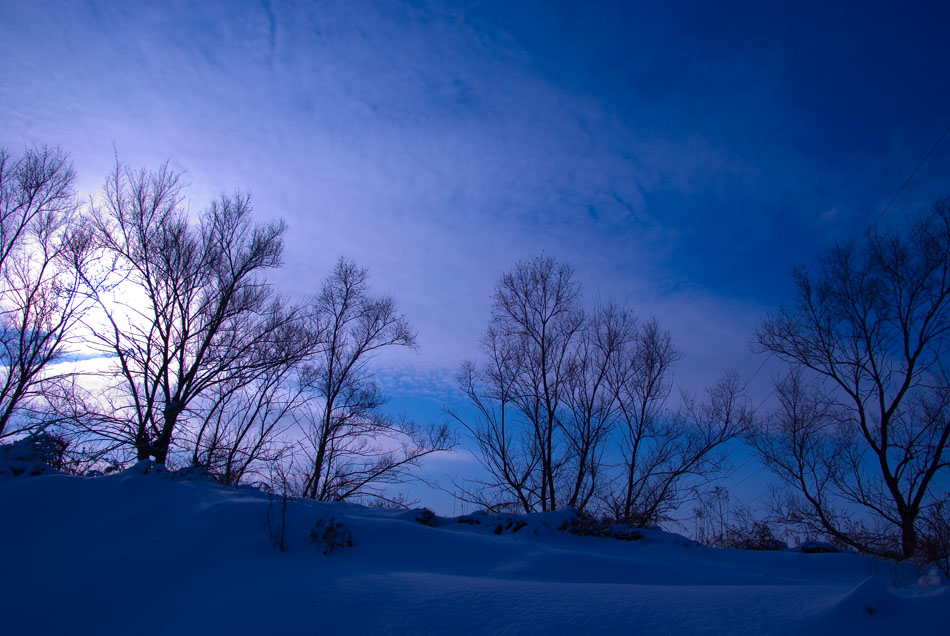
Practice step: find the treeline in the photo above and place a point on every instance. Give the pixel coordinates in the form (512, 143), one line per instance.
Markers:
(203, 363)
(572, 404)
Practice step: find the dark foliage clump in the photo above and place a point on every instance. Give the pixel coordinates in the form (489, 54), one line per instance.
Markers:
(588, 525)
(757, 536)
(331, 535)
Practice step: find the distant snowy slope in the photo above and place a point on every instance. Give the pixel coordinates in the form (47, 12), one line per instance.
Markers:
(136, 553)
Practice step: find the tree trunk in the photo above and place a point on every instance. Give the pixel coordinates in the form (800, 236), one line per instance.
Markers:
(164, 441)
(908, 536)
(317, 472)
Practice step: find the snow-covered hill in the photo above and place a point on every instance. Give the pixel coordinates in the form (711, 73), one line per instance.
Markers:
(149, 552)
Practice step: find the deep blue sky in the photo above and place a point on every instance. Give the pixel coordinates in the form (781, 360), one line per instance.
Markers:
(683, 158)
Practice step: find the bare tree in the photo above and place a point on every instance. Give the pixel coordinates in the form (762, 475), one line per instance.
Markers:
(353, 449)
(871, 329)
(592, 408)
(687, 452)
(642, 383)
(242, 429)
(182, 307)
(668, 452)
(522, 390)
(802, 442)
(42, 242)
(561, 391)
(507, 450)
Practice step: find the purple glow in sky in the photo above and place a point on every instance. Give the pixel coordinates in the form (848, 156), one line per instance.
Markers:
(684, 158)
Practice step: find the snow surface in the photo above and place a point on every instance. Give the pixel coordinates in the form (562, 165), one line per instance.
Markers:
(150, 552)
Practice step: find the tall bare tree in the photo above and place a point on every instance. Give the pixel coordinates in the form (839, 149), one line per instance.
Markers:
(353, 449)
(592, 407)
(865, 421)
(182, 307)
(522, 390)
(562, 391)
(42, 243)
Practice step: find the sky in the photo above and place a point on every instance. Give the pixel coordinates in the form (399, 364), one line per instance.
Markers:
(684, 157)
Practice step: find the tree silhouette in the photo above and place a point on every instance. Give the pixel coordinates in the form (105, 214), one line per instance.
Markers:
(183, 307)
(43, 241)
(864, 417)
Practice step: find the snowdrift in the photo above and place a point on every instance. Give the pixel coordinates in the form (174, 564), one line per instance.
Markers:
(147, 551)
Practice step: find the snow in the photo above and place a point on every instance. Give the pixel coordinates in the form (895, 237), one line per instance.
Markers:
(146, 551)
